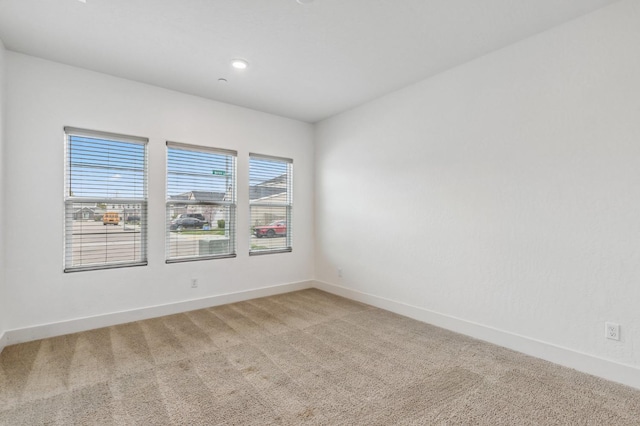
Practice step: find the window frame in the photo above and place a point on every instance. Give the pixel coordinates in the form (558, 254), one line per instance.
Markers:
(69, 200)
(230, 204)
(288, 205)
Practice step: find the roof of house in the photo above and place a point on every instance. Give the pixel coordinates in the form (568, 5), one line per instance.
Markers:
(257, 192)
(207, 196)
(269, 188)
(264, 189)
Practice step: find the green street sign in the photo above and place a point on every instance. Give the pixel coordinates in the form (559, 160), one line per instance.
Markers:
(219, 172)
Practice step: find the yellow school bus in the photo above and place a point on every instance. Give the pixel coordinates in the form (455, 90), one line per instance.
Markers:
(111, 218)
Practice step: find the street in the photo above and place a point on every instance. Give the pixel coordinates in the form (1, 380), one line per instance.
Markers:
(93, 242)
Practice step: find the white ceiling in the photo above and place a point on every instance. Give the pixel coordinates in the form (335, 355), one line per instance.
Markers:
(307, 62)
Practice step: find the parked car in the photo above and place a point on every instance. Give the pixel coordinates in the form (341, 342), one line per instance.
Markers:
(279, 227)
(186, 223)
(196, 215)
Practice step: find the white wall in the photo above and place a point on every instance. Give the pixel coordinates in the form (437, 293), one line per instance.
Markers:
(3, 308)
(500, 198)
(42, 98)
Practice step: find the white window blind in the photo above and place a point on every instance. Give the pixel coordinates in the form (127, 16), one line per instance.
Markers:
(201, 203)
(270, 204)
(105, 200)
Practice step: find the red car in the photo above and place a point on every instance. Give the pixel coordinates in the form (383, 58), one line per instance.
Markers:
(279, 227)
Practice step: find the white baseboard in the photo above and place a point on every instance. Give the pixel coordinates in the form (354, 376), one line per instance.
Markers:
(11, 337)
(600, 367)
(3, 341)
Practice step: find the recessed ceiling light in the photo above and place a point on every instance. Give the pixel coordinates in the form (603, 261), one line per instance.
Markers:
(304, 1)
(239, 64)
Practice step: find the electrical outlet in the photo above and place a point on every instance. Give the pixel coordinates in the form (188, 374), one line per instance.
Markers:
(612, 330)
(194, 283)
(340, 272)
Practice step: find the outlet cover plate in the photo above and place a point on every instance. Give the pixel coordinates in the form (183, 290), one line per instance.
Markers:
(612, 330)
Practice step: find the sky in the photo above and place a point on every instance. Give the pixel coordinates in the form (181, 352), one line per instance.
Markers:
(105, 168)
(102, 168)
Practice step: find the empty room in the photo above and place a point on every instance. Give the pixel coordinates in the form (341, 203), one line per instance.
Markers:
(327, 212)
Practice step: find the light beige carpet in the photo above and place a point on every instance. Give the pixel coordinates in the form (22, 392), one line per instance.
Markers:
(300, 358)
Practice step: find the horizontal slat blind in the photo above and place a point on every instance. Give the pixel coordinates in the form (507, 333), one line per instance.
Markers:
(271, 204)
(105, 200)
(201, 203)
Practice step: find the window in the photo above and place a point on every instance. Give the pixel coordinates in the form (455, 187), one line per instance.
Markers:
(270, 199)
(104, 173)
(201, 203)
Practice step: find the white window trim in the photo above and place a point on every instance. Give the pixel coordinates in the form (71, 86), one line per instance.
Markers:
(70, 199)
(288, 206)
(232, 204)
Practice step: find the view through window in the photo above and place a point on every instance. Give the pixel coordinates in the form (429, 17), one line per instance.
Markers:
(105, 200)
(201, 202)
(270, 198)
